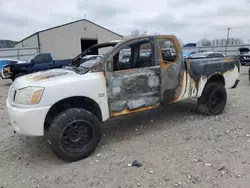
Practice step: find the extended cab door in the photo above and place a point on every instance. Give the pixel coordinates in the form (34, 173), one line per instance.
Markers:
(42, 62)
(133, 77)
(174, 78)
(144, 72)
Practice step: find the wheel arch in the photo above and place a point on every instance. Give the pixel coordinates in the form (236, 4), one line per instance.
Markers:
(214, 78)
(73, 102)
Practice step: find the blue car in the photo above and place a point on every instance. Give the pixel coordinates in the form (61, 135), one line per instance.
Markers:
(188, 54)
(39, 62)
(4, 62)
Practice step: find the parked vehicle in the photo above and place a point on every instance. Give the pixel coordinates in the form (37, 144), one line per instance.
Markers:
(244, 56)
(38, 62)
(68, 105)
(206, 55)
(188, 54)
(4, 62)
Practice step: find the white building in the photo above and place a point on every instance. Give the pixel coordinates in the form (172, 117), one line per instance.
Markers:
(68, 40)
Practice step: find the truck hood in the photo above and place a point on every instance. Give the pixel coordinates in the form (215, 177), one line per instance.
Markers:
(44, 78)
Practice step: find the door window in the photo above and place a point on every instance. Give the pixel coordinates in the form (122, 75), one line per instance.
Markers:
(42, 58)
(122, 60)
(38, 59)
(46, 58)
(136, 55)
(168, 50)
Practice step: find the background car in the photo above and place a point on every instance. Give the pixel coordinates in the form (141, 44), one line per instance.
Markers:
(188, 54)
(207, 55)
(244, 56)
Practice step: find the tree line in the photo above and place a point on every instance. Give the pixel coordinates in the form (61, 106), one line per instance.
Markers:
(220, 42)
(200, 43)
(136, 33)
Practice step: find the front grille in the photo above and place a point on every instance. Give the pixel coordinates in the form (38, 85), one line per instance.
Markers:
(14, 95)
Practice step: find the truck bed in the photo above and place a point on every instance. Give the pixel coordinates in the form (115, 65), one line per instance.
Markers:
(200, 70)
(208, 66)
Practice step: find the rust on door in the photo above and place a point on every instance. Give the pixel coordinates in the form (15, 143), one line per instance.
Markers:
(173, 71)
(134, 82)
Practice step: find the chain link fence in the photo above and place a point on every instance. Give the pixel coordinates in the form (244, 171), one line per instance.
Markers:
(227, 50)
(22, 54)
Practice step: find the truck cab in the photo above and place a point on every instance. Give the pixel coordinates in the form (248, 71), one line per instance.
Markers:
(40, 62)
(68, 105)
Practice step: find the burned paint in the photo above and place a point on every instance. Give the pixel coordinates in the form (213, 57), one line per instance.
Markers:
(43, 75)
(138, 89)
(132, 90)
(126, 111)
(207, 67)
(172, 72)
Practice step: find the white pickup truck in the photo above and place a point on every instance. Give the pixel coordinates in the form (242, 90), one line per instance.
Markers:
(68, 105)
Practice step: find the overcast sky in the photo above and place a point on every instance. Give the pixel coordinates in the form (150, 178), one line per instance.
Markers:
(190, 20)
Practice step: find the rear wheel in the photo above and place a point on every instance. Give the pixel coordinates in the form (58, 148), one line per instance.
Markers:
(213, 99)
(74, 134)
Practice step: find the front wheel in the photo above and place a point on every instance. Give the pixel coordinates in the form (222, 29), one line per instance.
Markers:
(213, 99)
(74, 134)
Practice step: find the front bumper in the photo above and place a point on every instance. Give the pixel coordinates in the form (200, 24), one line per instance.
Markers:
(27, 121)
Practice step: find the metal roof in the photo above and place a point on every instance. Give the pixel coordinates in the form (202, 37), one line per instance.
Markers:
(69, 24)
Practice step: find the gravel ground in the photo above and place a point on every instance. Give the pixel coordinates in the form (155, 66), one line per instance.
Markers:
(176, 146)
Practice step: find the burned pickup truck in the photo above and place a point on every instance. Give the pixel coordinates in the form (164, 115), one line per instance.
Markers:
(68, 105)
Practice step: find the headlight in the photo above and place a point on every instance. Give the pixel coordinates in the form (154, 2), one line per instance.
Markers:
(29, 95)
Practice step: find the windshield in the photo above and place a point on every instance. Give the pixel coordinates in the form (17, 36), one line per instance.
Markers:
(98, 50)
(90, 57)
(246, 53)
(89, 63)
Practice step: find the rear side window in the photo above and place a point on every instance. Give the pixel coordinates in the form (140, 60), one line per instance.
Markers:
(46, 58)
(42, 58)
(38, 59)
(168, 50)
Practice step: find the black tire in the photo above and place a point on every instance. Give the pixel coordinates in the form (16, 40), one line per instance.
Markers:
(18, 75)
(213, 99)
(74, 134)
(249, 74)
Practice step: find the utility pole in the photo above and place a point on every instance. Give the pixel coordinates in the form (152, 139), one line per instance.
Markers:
(228, 29)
